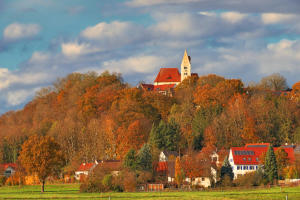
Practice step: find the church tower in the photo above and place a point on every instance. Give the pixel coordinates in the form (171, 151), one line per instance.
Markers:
(185, 66)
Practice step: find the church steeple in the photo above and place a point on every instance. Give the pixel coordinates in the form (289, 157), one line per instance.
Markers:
(185, 66)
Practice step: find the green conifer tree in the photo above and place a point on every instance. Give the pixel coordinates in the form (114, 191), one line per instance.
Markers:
(144, 158)
(130, 160)
(270, 168)
(226, 170)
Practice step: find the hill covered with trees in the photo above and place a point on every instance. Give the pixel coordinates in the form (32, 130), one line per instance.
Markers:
(101, 117)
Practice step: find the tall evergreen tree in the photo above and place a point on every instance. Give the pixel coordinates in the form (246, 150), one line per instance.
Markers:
(270, 167)
(165, 136)
(226, 169)
(130, 160)
(144, 158)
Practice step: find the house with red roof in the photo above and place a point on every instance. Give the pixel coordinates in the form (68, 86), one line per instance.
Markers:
(168, 78)
(247, 159)
(84, 169)
(8, 169)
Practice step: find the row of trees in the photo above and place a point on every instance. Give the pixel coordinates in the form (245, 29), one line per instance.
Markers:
(102, 117)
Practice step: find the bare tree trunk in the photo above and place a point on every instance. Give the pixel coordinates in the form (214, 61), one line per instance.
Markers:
(43, 186)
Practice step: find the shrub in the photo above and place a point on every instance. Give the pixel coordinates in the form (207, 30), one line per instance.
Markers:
(129, 181)
(250, 179)
(2, 180)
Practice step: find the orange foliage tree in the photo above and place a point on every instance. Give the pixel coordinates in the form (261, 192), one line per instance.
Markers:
(41, 155)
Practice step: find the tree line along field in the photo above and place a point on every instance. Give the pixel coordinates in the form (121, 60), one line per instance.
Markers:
(71, 191)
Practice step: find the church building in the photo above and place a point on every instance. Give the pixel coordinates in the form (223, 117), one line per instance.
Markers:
(168, 78)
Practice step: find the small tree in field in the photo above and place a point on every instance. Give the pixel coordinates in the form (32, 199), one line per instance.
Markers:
(41, 155)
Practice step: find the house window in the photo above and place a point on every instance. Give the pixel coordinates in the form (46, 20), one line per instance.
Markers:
(245, 167)
(244, 159)
(185, 67)
(202, 179)
(238, 167)
(185, 73)
(257, 159)
(249, 159)
(251, 167)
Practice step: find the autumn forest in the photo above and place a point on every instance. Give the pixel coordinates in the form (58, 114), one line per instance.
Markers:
(99, 117)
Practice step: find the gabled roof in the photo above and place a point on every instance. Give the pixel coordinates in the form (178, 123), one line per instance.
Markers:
(166, 167)
(112, 165)
(147, 87)
(169, 153)
(168, 75)
(250, 154)
(86, 166)
(4, 166)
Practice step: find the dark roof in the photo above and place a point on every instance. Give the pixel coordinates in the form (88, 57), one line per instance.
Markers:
(113, 165)
(169, 153)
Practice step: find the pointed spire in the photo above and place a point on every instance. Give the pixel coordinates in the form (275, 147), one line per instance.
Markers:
(186, 59)
(185, 66)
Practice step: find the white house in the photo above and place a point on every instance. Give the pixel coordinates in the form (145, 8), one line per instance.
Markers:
(247, 159)
(8, 169)
(84, 169)
(165, 156)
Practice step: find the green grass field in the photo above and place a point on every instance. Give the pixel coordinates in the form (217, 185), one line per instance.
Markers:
(72, 192)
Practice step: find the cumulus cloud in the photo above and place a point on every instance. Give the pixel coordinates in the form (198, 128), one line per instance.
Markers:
(19, 96)
(135, 64)
(273, 18)
(233, 17)
(17, 31)
(73, 49)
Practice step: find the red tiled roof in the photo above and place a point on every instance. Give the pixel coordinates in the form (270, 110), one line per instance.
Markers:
(162, 167)
(150, 87)
(147, 87)
(168, 75)
(6, 165)
(250, 154)
(163, 87)
(290, 152)
(86, 166)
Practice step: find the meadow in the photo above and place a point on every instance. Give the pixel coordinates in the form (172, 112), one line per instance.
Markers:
(71, 191)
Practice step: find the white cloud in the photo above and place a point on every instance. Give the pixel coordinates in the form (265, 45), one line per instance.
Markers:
(175, 25)
(73, 49)
(135, 64)
(19, 96)
(39, 57)
(104, 30)
(209, 14)
(233, 17)
(281, 45)
(138, 3)
(18, 31)
(273, 18)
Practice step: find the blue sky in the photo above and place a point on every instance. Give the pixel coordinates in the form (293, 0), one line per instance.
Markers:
(43, 40)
